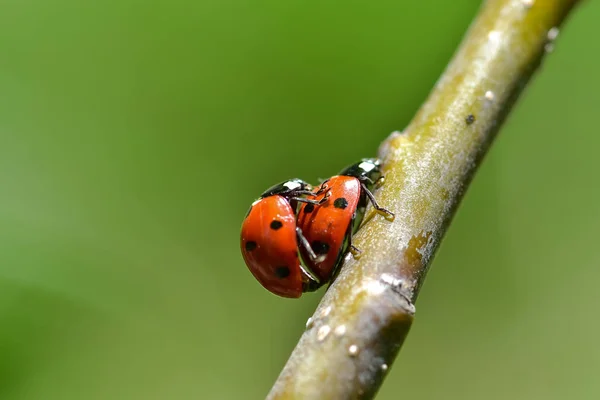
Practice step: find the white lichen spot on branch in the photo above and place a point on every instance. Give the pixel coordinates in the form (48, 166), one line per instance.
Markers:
(309, 323)
(551, 37)
(527, 3)
(325, 311)
(494, 36)
(323, 332)
(340, 330)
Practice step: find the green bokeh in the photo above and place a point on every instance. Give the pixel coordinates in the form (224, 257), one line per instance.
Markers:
(134, 135)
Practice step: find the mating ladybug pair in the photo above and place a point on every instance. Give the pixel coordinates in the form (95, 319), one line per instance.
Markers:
(290, 221)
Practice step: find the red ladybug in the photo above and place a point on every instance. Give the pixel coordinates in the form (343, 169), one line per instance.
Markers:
(328, 227)
(270, 240)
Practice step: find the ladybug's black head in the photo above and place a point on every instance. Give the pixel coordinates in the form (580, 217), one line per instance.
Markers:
(367, 170)
(289, 188)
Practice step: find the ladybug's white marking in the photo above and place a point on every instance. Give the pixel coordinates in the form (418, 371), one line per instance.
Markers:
(353, 350)
(292, 185)
(384, 367)
(366, 166)
(340, 330)
(323, 332)
(256, 202)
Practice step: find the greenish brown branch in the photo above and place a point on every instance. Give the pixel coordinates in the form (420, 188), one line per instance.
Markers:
(360, 325)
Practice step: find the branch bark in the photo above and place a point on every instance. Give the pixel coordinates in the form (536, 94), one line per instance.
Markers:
(361, 322)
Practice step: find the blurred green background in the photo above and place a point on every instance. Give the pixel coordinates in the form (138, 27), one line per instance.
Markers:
(134, 135)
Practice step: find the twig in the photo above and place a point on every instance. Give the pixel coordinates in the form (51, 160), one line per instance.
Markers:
(360, 325)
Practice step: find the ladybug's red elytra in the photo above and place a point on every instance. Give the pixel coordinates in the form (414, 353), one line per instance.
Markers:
(270, 239)
(329, 225)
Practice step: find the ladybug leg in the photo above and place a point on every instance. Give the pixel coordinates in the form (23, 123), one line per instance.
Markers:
(309, 201)
(327, 195)
(303, 200)
(314, 280)
(323, 187)
(369, 180)
(304, 193)
(383, 211)
(355, 251)
(304, 243)
(311, 254)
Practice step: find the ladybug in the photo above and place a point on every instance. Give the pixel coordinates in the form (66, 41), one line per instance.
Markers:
(270, 239)
(329, 226)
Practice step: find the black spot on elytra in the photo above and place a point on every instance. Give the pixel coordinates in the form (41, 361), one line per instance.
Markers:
(282, 272)
(276, 225)
(250, 246)
(308, 208)
(470, 119)
(319, 247)
(340, 202)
